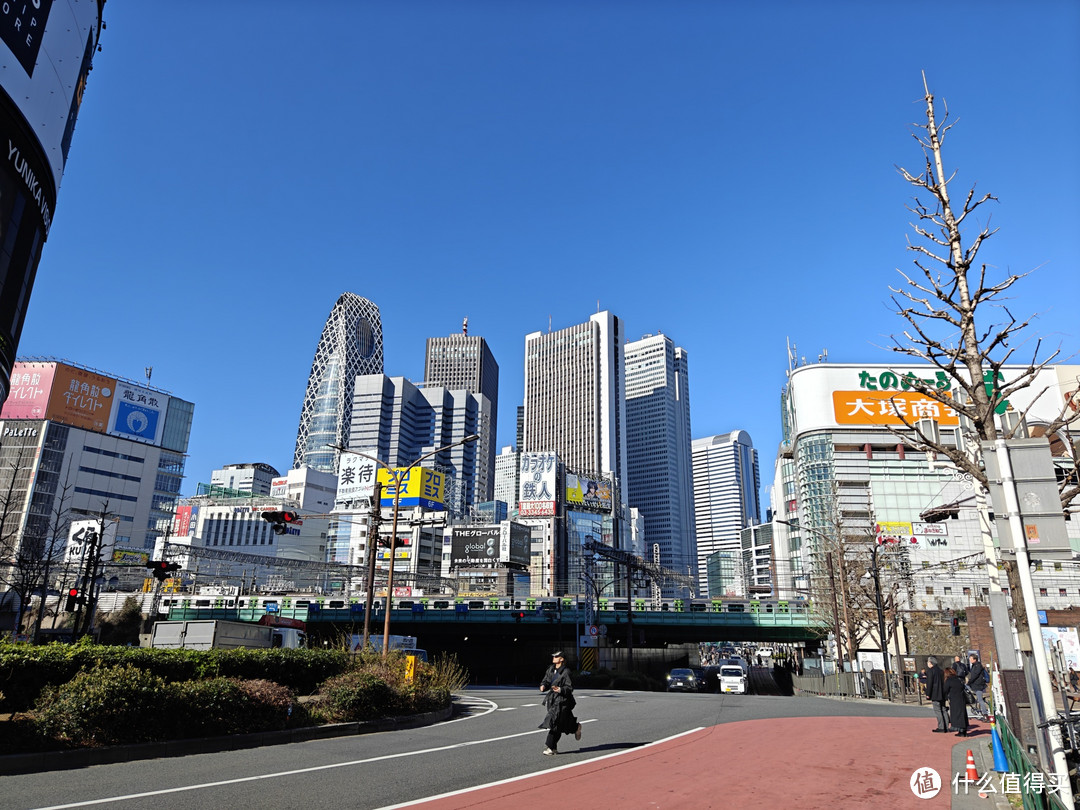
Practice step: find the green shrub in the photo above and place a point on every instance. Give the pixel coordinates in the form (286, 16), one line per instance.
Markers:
(359, 695)
(228, 706)
(106, 707)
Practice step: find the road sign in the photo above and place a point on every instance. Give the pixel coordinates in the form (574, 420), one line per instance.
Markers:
(593, 630)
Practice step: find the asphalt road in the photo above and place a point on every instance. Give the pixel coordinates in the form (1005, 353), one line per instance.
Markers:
(493, 737)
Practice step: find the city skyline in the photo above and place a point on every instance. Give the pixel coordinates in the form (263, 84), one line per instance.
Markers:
(527, 167)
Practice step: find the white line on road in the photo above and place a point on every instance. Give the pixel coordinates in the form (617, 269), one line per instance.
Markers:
(241, 780)
(507, 709)
(538, 773)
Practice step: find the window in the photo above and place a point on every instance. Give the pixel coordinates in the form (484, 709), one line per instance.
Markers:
(929, 590)
(1042, 591)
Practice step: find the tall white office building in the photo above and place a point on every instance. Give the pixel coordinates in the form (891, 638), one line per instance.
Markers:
(508, 477)
(725, 495)
(659, 471)
(575, 397)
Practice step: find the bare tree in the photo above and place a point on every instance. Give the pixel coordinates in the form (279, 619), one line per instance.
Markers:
(956, 317)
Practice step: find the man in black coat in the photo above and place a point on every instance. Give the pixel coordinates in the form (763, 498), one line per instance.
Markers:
(559, 702)
(977, 681)
(935, 693)
(961, 667)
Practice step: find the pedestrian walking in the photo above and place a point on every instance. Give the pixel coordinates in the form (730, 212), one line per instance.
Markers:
(957, 700)
(1074, 679)
(935, 693)
(977, 680)
(560, 702)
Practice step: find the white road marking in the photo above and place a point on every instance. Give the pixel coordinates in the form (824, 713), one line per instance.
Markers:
(507, 709)
(538, 773)
(528, 705)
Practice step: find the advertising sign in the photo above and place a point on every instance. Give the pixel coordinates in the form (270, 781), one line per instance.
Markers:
(28, 397)
(279, 487)
(356, 479)
(889, 408)
(1070, 644)
(84, 532)
(186, 520)
(515, 544)
(138, 413)
(930, 529)
(419, 487)
(475, 546)
(536, 494)
(588, 493)
(128, 556)
(81, 398)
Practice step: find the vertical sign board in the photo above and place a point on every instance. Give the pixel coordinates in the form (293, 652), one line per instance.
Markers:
(515, 544)
(536, 494)
(356, 479)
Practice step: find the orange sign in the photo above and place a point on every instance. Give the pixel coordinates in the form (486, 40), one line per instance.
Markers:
(80, 398)
(889, 408)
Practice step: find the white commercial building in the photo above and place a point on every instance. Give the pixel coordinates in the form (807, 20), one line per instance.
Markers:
(255, 478)
(725, 496)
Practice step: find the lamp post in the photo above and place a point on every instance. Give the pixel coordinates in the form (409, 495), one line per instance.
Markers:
(398, 476)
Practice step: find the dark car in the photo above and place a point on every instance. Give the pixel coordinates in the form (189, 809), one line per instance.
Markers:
(685, 680)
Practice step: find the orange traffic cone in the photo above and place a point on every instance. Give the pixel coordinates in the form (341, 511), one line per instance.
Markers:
(972, 774)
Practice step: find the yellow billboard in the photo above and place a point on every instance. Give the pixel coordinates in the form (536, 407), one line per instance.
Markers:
(419, 487)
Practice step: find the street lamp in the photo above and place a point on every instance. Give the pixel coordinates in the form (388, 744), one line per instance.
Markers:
(398, 475)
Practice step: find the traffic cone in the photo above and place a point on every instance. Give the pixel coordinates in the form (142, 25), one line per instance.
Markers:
(1001, 762)
(972, 774)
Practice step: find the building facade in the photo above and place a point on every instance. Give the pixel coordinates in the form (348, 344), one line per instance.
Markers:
(659, 469)
(79, 444)
(464, 362)
(253, 477)
(508, 477)
(726, 485)
(845, 469)
(46, 51)
(575, 397)
(351, 344)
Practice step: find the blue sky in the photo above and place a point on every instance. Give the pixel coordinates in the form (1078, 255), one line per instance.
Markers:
(722, 172)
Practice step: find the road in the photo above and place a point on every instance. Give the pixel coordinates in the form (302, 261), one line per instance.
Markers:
(493, 737)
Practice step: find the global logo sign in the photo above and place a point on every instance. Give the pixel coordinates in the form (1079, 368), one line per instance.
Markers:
(136, 421)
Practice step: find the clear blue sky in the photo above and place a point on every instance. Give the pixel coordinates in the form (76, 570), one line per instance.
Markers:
(722, 172)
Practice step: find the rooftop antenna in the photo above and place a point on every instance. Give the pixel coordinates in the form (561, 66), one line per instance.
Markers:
(598, 306)
(465, 326)
(549, 323)
(149, 371)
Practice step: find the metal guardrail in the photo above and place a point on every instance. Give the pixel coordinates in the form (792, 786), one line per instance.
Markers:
(1020, 763)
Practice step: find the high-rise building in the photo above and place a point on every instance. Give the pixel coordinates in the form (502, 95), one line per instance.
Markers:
(79, 444)
(464, 362)
(251, 477)
(659, 471)
(45, 61)
(351, 344)
(397, 423)
(508, 477)
(726, 484)
(575, 403)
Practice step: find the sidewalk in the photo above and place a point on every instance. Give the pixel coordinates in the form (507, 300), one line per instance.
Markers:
(815, 763)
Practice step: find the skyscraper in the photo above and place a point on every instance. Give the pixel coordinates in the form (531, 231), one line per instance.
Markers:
(464, 362)
(725, 494)
(351, 344)
(575, 396)
(659, 471)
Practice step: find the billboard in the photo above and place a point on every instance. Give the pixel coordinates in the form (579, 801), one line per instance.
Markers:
(138, 413)
(475, 546)
(187, 519)
(419, 487)
(515, 544)
(536, 493)
(28, 397)
(81, 534)
(81, 398)
(279, 487)
(356, 479)
(588, 493)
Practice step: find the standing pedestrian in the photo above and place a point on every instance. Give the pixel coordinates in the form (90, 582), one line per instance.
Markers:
(954, 694)
(935, 692)
(977, 681)
(559, 702)
(960, 666)
(1074, 679)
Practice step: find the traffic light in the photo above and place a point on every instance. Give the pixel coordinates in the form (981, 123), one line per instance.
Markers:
(72, 600)
(162, 569)
(955, 626)
(280, 521)
(398, 542)
(518, 616)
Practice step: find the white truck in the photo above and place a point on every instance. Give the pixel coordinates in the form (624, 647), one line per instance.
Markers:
(217, 634)
(403, 644)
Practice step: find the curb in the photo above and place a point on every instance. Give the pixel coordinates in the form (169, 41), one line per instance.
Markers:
(12, 764)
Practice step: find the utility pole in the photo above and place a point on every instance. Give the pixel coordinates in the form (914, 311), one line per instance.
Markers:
(374, 522)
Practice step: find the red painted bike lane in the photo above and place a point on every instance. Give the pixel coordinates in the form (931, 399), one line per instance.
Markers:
(805, 762)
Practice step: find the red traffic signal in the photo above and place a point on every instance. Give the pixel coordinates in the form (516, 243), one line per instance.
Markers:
(280, 520)
(73, 599)
(162, 568)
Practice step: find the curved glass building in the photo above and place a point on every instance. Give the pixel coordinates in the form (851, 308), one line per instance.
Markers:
(351, 344)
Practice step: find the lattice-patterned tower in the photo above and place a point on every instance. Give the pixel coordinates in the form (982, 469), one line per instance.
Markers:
(351, 344)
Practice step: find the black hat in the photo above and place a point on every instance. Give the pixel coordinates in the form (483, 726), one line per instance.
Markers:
(558, 654)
